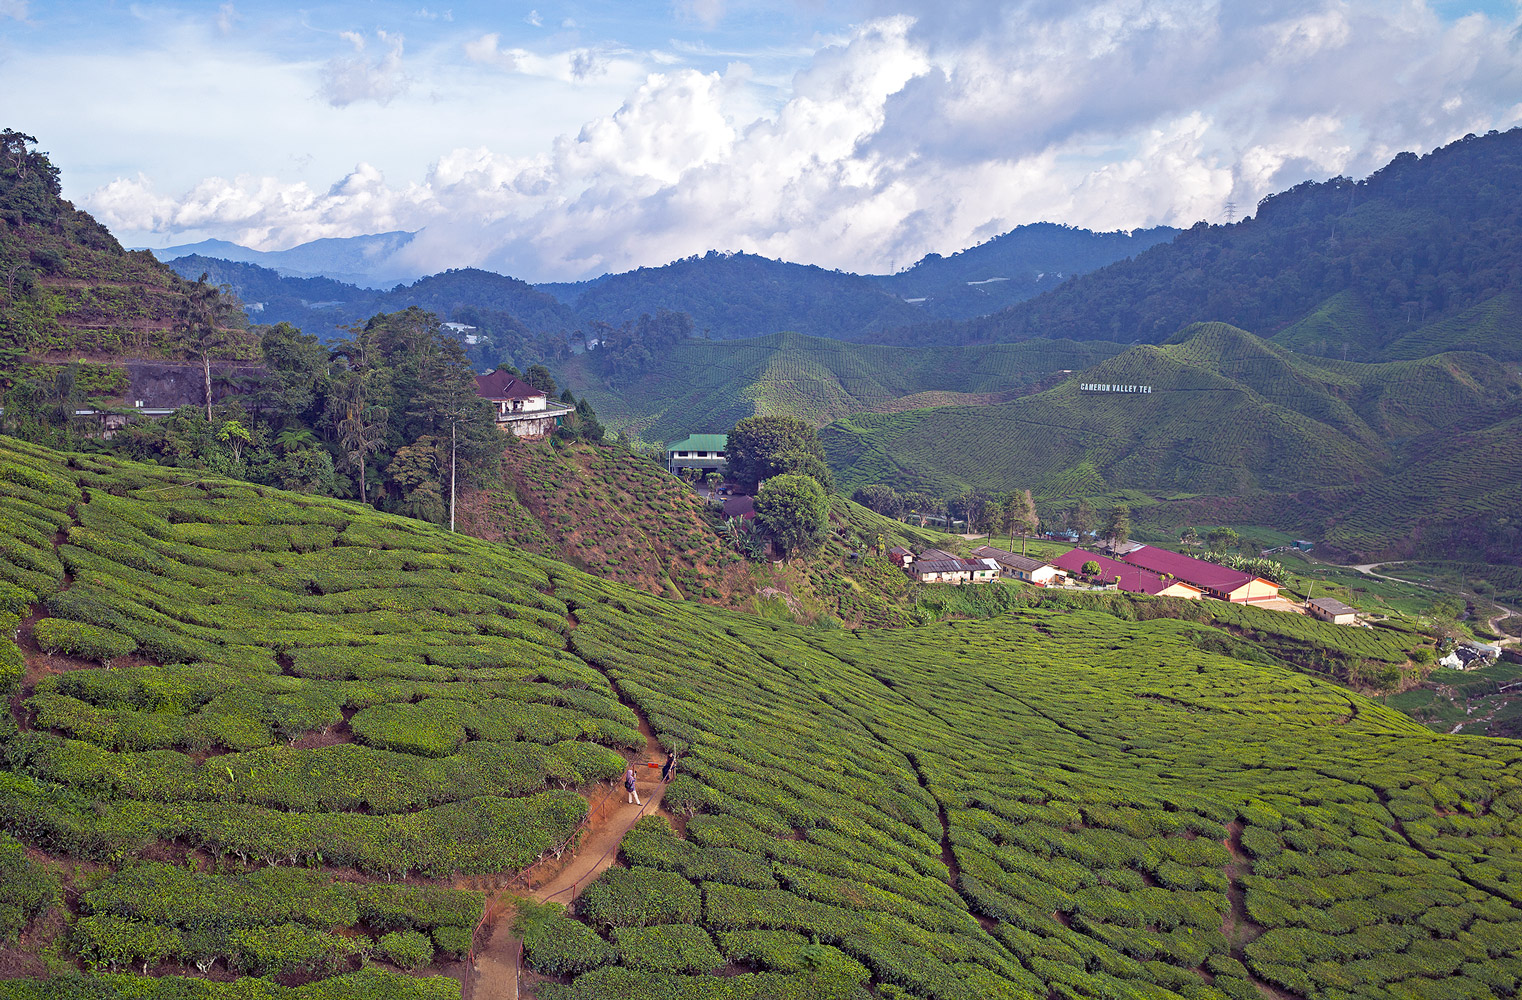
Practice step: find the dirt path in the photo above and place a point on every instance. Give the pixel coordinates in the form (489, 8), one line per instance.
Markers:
(610, 816)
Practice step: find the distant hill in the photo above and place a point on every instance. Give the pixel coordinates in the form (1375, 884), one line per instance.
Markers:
(1229, 416)
(367, 261)
(709, 385)
(1013, 267)
(728, 296)
(741, 295)
(514, 321)
(1357, 265)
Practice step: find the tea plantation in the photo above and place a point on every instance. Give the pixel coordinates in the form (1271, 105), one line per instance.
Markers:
(307, 702)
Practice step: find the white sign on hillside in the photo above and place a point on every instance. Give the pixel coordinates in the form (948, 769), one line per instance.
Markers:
(1110, 387)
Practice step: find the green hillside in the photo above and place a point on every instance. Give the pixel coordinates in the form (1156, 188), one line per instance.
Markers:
(305, 695)
(620, 516)
(1343, 327)
(703, 385)
(1362, 455)
(1227, 412)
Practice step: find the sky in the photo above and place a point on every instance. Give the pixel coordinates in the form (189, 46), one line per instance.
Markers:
(560, 140)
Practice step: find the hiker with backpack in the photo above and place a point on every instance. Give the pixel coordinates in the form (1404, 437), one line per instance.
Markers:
(629, 786)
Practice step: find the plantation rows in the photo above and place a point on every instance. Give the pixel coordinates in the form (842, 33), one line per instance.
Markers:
(1059, 802)
(605, 508)
(712, 384)
(292, 681)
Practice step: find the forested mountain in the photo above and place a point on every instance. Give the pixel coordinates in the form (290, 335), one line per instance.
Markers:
(739, 295)
(1422, 239)
(68, 287)
(1013, 267)
(727, 296)
(515, 323)
(1324, 445)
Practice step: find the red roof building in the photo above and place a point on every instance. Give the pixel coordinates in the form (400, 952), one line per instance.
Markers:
(521, 409)
(1127, 577)
(1221, 582)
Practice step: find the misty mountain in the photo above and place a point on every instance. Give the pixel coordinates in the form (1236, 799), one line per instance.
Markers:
(366, 261)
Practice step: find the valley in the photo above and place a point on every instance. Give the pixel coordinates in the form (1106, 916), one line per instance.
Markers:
(323, 676)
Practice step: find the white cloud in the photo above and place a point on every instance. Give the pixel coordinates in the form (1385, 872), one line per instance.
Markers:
(487, 51)
(912, 134)
(227, 17)
(708, 13)
(13, 9)
(357, 77)
(534, 19)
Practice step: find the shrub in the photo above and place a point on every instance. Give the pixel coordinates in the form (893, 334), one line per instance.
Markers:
(408, 949)
(556, 945)
(667, 948)
(289, 948)
(26, 889)
(635, 897)
(453, 941)
(58, 635)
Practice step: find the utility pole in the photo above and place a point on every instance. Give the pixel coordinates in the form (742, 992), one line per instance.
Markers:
(1231, 212)
(451, 473)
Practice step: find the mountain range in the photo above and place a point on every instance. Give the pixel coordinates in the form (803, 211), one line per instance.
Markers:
(366, 261)
(726, 295)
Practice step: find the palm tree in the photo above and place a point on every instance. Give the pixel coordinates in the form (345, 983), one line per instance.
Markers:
(360, 433)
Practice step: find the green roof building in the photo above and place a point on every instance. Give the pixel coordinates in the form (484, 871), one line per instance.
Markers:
(697, 451)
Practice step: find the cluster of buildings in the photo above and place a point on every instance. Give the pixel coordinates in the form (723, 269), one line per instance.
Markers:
(1138, 569)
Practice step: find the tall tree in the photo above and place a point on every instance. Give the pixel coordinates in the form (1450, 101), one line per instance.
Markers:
(1220, 539)
(1082, 518)
(883, 499)
(361, 432)
(1024, 520)
(1118, 526)
(203, 317)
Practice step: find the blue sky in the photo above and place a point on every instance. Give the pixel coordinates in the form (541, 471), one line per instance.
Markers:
(560, 140)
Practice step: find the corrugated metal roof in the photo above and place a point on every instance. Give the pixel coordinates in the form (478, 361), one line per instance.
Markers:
(1200, 573)
(701, 442)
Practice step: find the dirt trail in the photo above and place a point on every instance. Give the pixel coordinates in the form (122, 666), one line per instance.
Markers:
(495, 976)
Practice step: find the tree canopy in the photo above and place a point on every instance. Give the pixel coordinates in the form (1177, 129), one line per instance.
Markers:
(793, 510)
(760, 447)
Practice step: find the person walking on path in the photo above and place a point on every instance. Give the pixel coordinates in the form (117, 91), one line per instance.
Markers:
(666, 767)
(629, 786)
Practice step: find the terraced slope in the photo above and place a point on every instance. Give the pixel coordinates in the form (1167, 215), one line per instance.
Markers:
(617, 515)
(1059, 802)
(610, 512)
(1233, 423)
(70, 289)
(710, 385)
